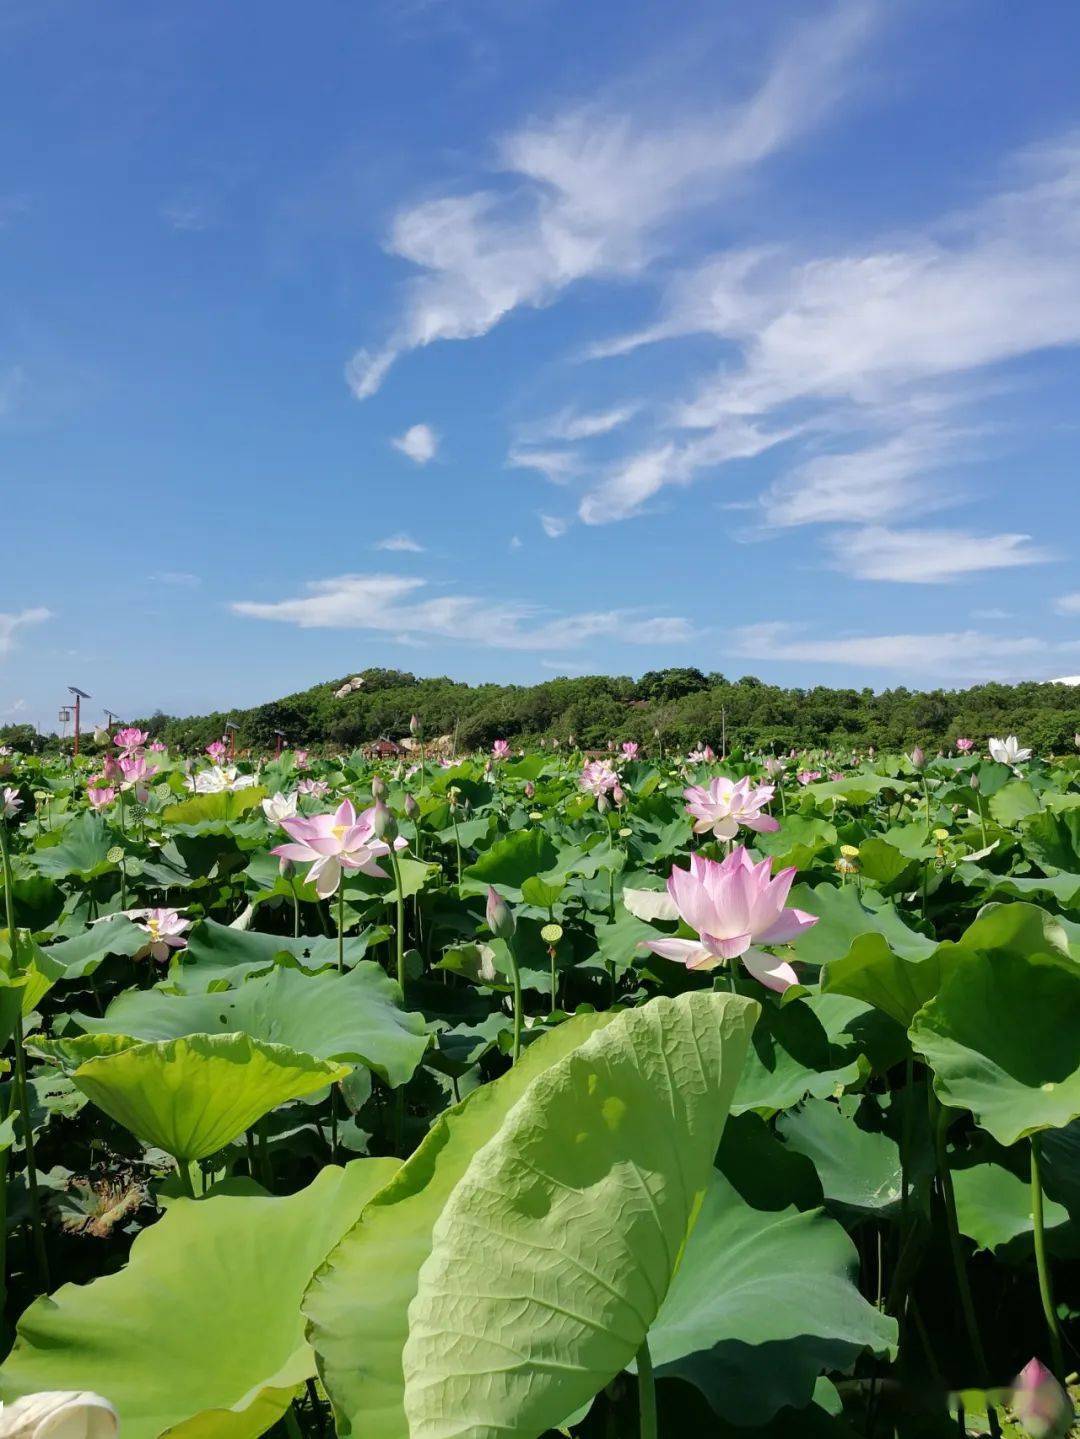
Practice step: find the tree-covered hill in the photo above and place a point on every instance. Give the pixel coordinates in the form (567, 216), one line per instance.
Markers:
(686, 706)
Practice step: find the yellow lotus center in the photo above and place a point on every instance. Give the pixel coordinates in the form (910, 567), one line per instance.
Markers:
(339, 830)
(153, 926)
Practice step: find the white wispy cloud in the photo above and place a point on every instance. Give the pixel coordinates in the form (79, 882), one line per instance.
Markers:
(885, 339)
(558, 466)
(554, 526)
(570, 425)
(588, 192)
(397, 605)
(402, 543)
(179, 578)
(1068, 604)
(10, 624)
(419, 442)
(928, 556)
(967, 653)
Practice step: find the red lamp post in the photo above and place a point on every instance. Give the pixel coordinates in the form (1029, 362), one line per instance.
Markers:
(80, 695)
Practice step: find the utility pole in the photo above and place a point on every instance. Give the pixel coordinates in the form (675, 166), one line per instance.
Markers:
(280, 741)
(232, 738)
(80, 695)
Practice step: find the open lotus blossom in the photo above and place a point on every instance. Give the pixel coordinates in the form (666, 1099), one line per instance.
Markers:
(333, 843)
(598, 777)
(500, 749)
(12, 804)
(630, 748)
(965, 746)
(59, 1414)
(135, 769)
(165, 928)
(733, 906)
(808, 776)
(1007, 751)
(158, 747)
(300, 758)
(315, 788)
(724, 804)
(774, 766)
(217, 749)
(130, 738)
(279, 807)
(704, 754)
(100, 793)
(218, 779)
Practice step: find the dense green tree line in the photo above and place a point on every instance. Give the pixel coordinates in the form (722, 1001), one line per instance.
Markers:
(685, 707)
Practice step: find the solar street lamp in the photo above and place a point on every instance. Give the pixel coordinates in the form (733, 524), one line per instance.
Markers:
(232, 728)
(280, 741)
(80, 695)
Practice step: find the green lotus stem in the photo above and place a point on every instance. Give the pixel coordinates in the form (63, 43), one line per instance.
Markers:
(905, 1139)
(646, 1391)
(292, 1424)
(341, 926)
(399, 917)
(515, 978)
(22, 1098)
(184, 1174)
(967, 1304)
(295, 908)
(1046, 1290)
(3, 1221)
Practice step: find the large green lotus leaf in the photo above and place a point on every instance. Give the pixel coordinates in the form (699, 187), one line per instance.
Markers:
(353, 1018)
(358, 1302)
(509, 862)
(1062, 887)
(189, 1096)
(798, 842)
(885, 865)
(797, 1050)
(554, 1253)
(844, 915)
(81, 851)
(415, 873)
(856, 789)
(82, 954)
(220, 957)
(859, 1169)
(200, 1335)
(1013, 802)
(213, 809)
(1002, 1036)
(1053, 840)
(993, 1207)
(899, 986)
(763, 1302)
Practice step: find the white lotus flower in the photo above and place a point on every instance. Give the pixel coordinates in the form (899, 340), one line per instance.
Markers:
(1008, 751)
(218, 779)
(279, 806)
(59, 1414)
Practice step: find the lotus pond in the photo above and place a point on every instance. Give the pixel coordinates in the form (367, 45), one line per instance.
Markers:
(532, 1094)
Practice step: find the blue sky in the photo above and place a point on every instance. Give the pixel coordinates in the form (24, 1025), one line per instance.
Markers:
(503, 340)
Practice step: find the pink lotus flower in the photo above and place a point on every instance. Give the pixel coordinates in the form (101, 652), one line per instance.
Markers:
(99, 793)
(135, 769)
(157, 747)
(500, 749)
(164, 926)
(835, 774)
(808, 776)
(774, 766)
(333, 843)
(965, 746)
(598, 777)
(704, 754)
(316, 788)
(217, 750)
(130, 738)
(630, 749)
(11, 803)
(300, 758)
(732, 906)
(726, 804)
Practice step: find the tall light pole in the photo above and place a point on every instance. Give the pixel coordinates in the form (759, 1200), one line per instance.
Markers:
(280, 741)
(232, 738)
(80, 695)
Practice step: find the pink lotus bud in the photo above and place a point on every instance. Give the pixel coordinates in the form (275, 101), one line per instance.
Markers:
(1040, 1404)
(530, 789)
(285, 868)
(378, 786)
(414, 724)
(412, 809)
(603, 804)
(618, 794)
(918, 757)
(974, 782)
(500, 917)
